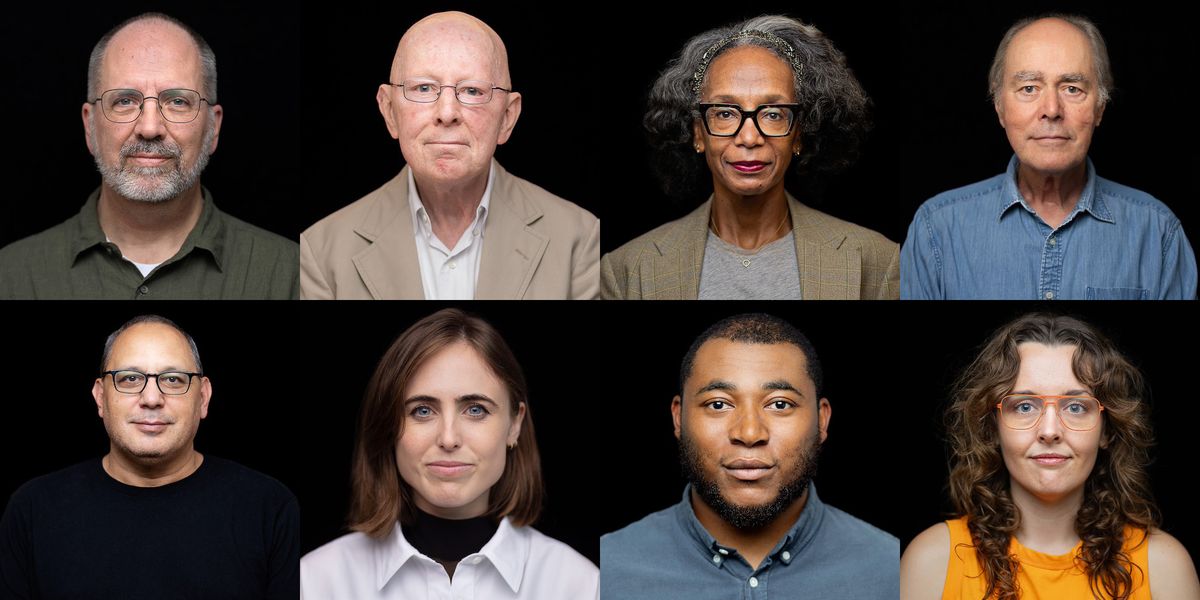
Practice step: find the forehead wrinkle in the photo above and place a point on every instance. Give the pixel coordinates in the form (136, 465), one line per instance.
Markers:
(460, 29)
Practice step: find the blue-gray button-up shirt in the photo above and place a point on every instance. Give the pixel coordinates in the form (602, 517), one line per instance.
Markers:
(827, 554)
(983, 241)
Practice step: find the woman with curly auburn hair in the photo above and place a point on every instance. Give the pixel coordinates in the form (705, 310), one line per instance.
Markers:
(750, 105)
(1050, 435)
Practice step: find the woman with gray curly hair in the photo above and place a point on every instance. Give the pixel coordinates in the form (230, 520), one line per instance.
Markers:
(756, 102)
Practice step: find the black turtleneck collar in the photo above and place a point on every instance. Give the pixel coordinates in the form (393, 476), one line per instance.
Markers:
(448, 539)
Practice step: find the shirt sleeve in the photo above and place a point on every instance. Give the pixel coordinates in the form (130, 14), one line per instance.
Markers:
(585, 272)
(1179, 266)
(921, 262)
(312, 280)
(284, 583)
(16, 562)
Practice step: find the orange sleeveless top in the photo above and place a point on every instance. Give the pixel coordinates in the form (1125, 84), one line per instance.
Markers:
(1040, 576)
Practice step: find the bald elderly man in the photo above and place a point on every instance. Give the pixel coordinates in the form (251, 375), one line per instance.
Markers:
(1049, 228)
(453, 224)
(151, 231)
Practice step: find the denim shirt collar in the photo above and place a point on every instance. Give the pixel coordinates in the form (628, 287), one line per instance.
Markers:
(796, 540)
(1089, 200)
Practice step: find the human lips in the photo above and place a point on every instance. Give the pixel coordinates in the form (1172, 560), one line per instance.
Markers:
(448, 468)
(146, 159)
(151, 425)
(1050, 459)
(748, 166)
(748, 469)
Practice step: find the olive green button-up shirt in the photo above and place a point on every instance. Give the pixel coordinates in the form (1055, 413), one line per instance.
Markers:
(222, 258)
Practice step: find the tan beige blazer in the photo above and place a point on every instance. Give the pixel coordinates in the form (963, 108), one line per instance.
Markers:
(535, 246)
(838, 260)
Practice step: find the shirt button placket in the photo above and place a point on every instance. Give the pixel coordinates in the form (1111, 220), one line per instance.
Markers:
(1051, 275)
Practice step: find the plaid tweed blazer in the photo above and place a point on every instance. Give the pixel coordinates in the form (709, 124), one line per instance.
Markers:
(838, 260)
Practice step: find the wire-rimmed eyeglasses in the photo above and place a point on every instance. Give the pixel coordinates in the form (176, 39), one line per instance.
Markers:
(469, 92)
(175, 105)
(170, 383)
(1025, 411)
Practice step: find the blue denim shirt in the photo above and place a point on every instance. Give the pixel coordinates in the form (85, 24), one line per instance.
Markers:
(827, 554)
(983, 241)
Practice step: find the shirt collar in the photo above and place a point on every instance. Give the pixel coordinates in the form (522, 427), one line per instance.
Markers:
(507, 552)
(1089, 200)
(208, 234)
(419, 214)
(797, 538)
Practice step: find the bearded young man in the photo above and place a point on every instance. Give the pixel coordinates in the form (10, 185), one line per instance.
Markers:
(750, 422)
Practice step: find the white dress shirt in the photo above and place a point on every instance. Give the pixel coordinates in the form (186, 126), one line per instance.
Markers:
(518, 563)
(449, 273)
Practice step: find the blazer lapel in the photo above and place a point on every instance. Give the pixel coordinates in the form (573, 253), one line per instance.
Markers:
(388, 267)
(828, 271)
(675, 272)
(511, 249)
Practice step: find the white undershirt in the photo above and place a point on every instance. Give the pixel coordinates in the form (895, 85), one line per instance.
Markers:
(143, 268)
(448, 273)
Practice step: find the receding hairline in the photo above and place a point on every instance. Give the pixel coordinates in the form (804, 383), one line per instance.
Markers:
(463, 22)
(179, 334)
(150, 20)
(1043, 21)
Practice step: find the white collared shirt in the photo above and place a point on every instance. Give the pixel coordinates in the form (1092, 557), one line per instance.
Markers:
(518, 563)
(449, 273)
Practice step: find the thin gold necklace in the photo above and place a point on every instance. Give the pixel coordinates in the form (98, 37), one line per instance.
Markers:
(712, 225)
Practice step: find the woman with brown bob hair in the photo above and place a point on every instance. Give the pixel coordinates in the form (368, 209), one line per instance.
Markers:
(1049, 435)
(446, 480)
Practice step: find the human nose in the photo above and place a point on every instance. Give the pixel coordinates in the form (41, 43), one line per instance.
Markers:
(1049, 427)
(749, 135)
(448, 436)
(447, 105)
(151, 396)
(749, 429)
(1051, 106)
(149, 123)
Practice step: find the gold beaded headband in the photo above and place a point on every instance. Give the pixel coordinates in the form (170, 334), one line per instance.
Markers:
(778, 42)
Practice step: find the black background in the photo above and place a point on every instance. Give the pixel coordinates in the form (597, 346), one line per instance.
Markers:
(303, 137)
(288, 379)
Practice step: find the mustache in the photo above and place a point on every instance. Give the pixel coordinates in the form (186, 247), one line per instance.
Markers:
(158, 147)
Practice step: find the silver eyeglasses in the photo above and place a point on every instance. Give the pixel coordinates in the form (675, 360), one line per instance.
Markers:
(469, 92)
(125, 106)
(170, 383)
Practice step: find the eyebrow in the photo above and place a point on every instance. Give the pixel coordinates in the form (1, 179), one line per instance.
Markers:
(464, 399)
(1073, 78)
(773, 99)
(781, 386)
(1068, 393)
(1028, 76)
(717, 385)
(167, 369)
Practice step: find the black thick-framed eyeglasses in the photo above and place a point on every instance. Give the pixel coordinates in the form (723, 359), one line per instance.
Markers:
(170, 383)
(726, 120)
(179, 105)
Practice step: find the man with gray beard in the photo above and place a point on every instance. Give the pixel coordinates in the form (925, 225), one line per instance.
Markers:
(750, 422)
(151, 121)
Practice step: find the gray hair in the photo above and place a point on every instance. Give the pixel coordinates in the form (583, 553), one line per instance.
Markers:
(1104, 76)
(835, 108)
(208, 60)
(153, 319)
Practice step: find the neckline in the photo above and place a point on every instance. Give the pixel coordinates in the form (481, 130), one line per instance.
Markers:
(1055, 562)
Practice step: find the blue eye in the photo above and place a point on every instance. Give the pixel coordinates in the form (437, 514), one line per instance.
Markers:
(477, 410)
(422, 411)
